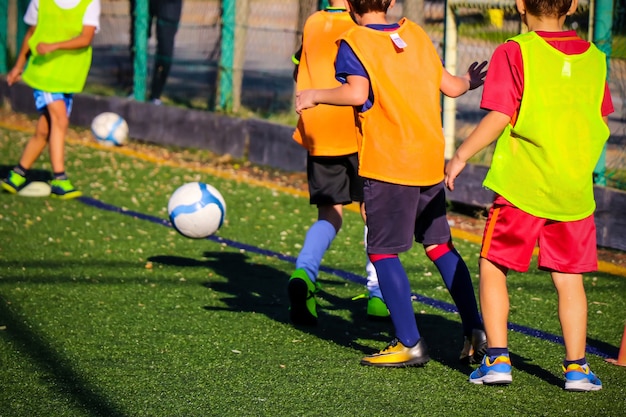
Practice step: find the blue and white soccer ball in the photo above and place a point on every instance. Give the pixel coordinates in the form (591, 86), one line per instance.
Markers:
(110, 129)
(197, 210)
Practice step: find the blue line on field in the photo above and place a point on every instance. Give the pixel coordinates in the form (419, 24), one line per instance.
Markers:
(441, 305)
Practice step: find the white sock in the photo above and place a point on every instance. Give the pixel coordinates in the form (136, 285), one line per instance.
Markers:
(372, 278)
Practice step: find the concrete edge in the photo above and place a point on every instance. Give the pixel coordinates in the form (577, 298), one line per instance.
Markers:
(270, 144)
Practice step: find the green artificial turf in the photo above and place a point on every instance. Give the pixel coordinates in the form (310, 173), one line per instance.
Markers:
(106, 314)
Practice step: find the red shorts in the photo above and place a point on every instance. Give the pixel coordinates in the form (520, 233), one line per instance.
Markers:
(511, 236)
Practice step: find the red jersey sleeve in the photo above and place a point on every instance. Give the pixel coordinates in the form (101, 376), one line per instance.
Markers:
(607, 102)
(504, 83)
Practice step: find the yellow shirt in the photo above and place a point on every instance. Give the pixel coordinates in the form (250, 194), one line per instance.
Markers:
(544, 164)
(61, 71)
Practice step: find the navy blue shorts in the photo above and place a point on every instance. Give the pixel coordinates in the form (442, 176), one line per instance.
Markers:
(399, 214)
(334, 179)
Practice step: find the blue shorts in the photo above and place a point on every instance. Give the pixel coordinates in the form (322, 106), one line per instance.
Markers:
(399, 214)
(43, 98)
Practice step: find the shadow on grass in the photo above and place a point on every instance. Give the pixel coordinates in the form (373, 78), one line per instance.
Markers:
(258, 288)
(525, 365)
(59, 371)
(33, 174)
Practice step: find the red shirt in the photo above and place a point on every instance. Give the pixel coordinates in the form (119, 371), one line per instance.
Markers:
(504, 83)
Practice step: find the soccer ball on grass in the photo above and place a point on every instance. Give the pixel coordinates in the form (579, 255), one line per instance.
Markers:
(196, 210)
(110, 129)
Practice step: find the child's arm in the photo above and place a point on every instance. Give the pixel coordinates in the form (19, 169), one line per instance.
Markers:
(487, 131)
(81, 41)
(14, 75)
(455, 86)
(353, 93)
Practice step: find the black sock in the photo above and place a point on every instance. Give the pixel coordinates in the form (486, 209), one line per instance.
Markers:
(19, 169)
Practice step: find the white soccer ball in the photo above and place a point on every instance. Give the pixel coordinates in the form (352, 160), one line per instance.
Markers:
(197, 210)
(110, 129)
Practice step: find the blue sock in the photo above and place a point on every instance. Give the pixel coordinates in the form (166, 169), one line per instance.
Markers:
(457, 278)
(396, 290)
(495, 352)
(317, 241)
(580, 362)
(60, 175)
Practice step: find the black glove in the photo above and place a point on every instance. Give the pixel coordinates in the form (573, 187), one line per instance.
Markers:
(476, 74)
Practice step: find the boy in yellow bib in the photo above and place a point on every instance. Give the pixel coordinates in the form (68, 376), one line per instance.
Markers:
(54, 60)
(548, 104)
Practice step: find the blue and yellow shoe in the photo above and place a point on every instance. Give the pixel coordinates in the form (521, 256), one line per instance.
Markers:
(493, 372)
(63, 189)
(14, 182)
(580, 378)
(302, 304)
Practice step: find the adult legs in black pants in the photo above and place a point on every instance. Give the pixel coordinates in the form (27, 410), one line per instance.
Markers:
(167, 14)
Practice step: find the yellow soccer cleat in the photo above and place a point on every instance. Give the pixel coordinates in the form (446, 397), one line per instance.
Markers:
(397, 355)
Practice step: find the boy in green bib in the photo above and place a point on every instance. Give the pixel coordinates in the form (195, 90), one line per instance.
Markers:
(548, 103)
(54, 60)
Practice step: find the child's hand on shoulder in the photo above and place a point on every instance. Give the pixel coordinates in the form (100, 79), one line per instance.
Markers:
(476, 75)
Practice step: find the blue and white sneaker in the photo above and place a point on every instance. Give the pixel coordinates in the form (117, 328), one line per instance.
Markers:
(493, 372)
(580, 378)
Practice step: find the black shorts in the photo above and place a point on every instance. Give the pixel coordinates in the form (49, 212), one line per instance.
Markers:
(334, 179)
(397, 214)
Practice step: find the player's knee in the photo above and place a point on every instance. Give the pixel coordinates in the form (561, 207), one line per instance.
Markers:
(58, 117)
(437, 250)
